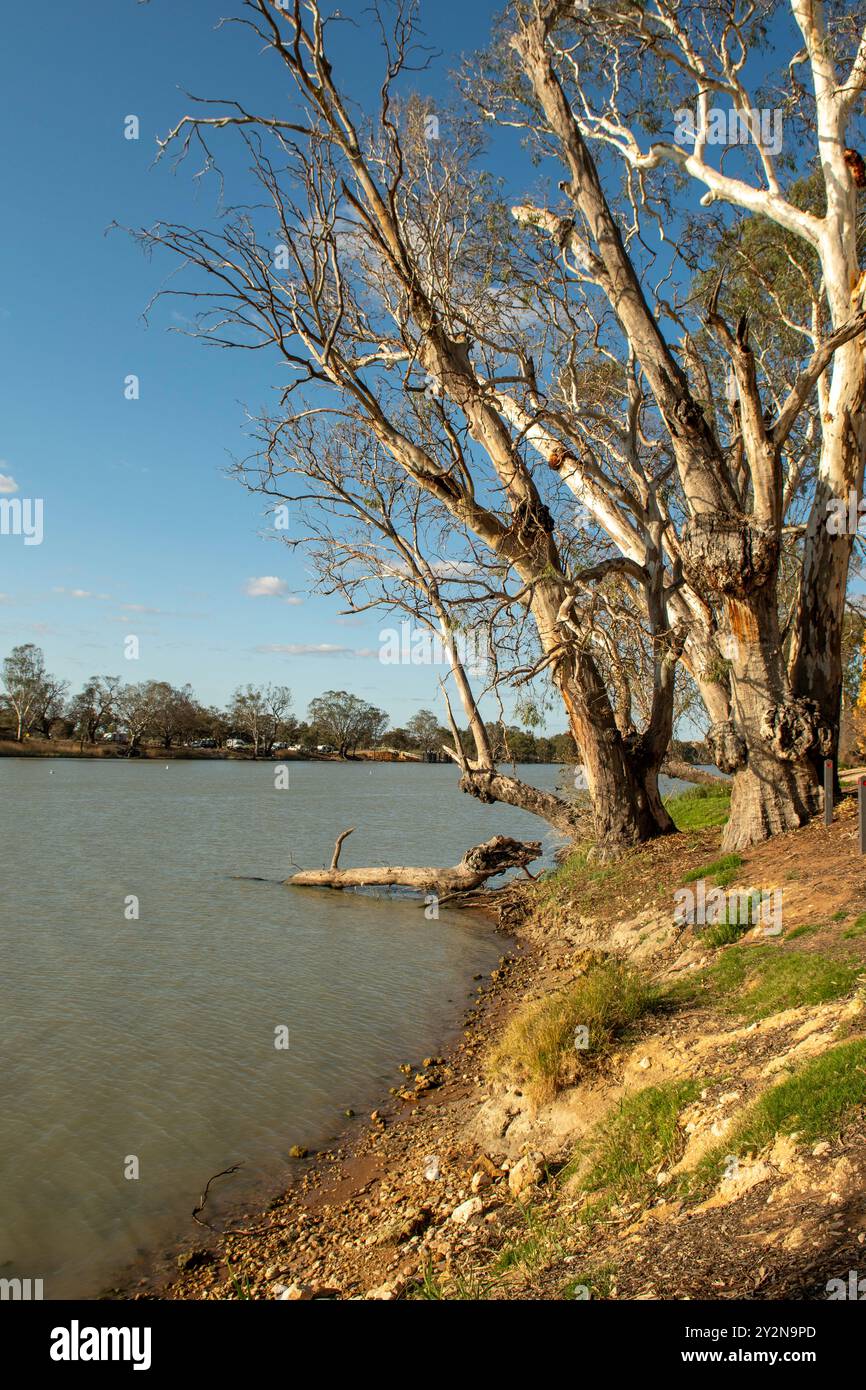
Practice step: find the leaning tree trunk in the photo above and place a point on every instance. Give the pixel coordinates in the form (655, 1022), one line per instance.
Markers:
(621, 776)
(771, 739)
(489, 785)
(817, 656)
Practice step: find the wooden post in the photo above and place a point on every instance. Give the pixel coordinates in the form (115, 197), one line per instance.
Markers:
(828, 791)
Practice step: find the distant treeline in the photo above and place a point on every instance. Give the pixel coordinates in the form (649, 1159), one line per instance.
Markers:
(155, 714)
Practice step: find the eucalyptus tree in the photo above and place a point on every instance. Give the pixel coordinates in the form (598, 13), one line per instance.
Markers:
(262, 714)
(596, 89)
(24, 683)
(381, 275)
(346, 720)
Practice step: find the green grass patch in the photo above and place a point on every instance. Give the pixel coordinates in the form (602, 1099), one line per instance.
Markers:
(621, 1157)
(723, 933)
(700, 808)
(801, 931)
(858, 929)
(541, 1047)
(576, 876)
(720, 871)
(432, 1287)
(544, 1240)
(756, 981)
(814, 1103)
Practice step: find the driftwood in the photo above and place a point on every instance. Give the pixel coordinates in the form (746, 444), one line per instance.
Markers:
(476, 866)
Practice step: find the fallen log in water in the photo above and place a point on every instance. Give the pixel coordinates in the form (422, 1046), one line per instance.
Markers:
(476, 866)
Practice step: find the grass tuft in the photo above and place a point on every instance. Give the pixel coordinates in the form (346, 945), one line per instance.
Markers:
(720, 871)
(539, 1047)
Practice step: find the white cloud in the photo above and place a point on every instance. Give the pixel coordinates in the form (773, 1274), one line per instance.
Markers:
(306, 649)
(7, 483)
(82, 593)
(293, 600)
(267, 586)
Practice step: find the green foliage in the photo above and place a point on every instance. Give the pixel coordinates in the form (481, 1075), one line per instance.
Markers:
(814, 1103)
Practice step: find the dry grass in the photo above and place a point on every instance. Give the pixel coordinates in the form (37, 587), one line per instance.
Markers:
(541, 1047)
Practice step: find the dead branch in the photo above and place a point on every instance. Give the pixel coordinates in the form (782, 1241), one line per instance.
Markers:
(339, 845)
(477, 865)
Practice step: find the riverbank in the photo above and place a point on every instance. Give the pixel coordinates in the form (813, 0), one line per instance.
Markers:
(70, 748)
(705, 1139)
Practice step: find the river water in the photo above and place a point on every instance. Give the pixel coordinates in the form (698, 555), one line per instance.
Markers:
(153, 1039)
(139, 1051)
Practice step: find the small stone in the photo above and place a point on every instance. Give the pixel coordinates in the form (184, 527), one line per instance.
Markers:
(466, 1210)
(194, 1259)
(384, 1293)
(644, 1063)
(525, 1173)
(298, 1151)
(821, 1149)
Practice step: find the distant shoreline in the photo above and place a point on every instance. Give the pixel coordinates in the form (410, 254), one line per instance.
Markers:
(115, 753)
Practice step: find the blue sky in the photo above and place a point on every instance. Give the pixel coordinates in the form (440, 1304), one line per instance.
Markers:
(143, 532)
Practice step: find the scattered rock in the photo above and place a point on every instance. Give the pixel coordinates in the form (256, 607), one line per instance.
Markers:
(467, 1210)
(303, 1293)
(195, 1259)
(298, 1151)
(527, 1172)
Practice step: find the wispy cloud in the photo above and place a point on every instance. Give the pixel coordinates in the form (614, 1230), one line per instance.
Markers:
(7, 482)
(312, 649)
(82, 593)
